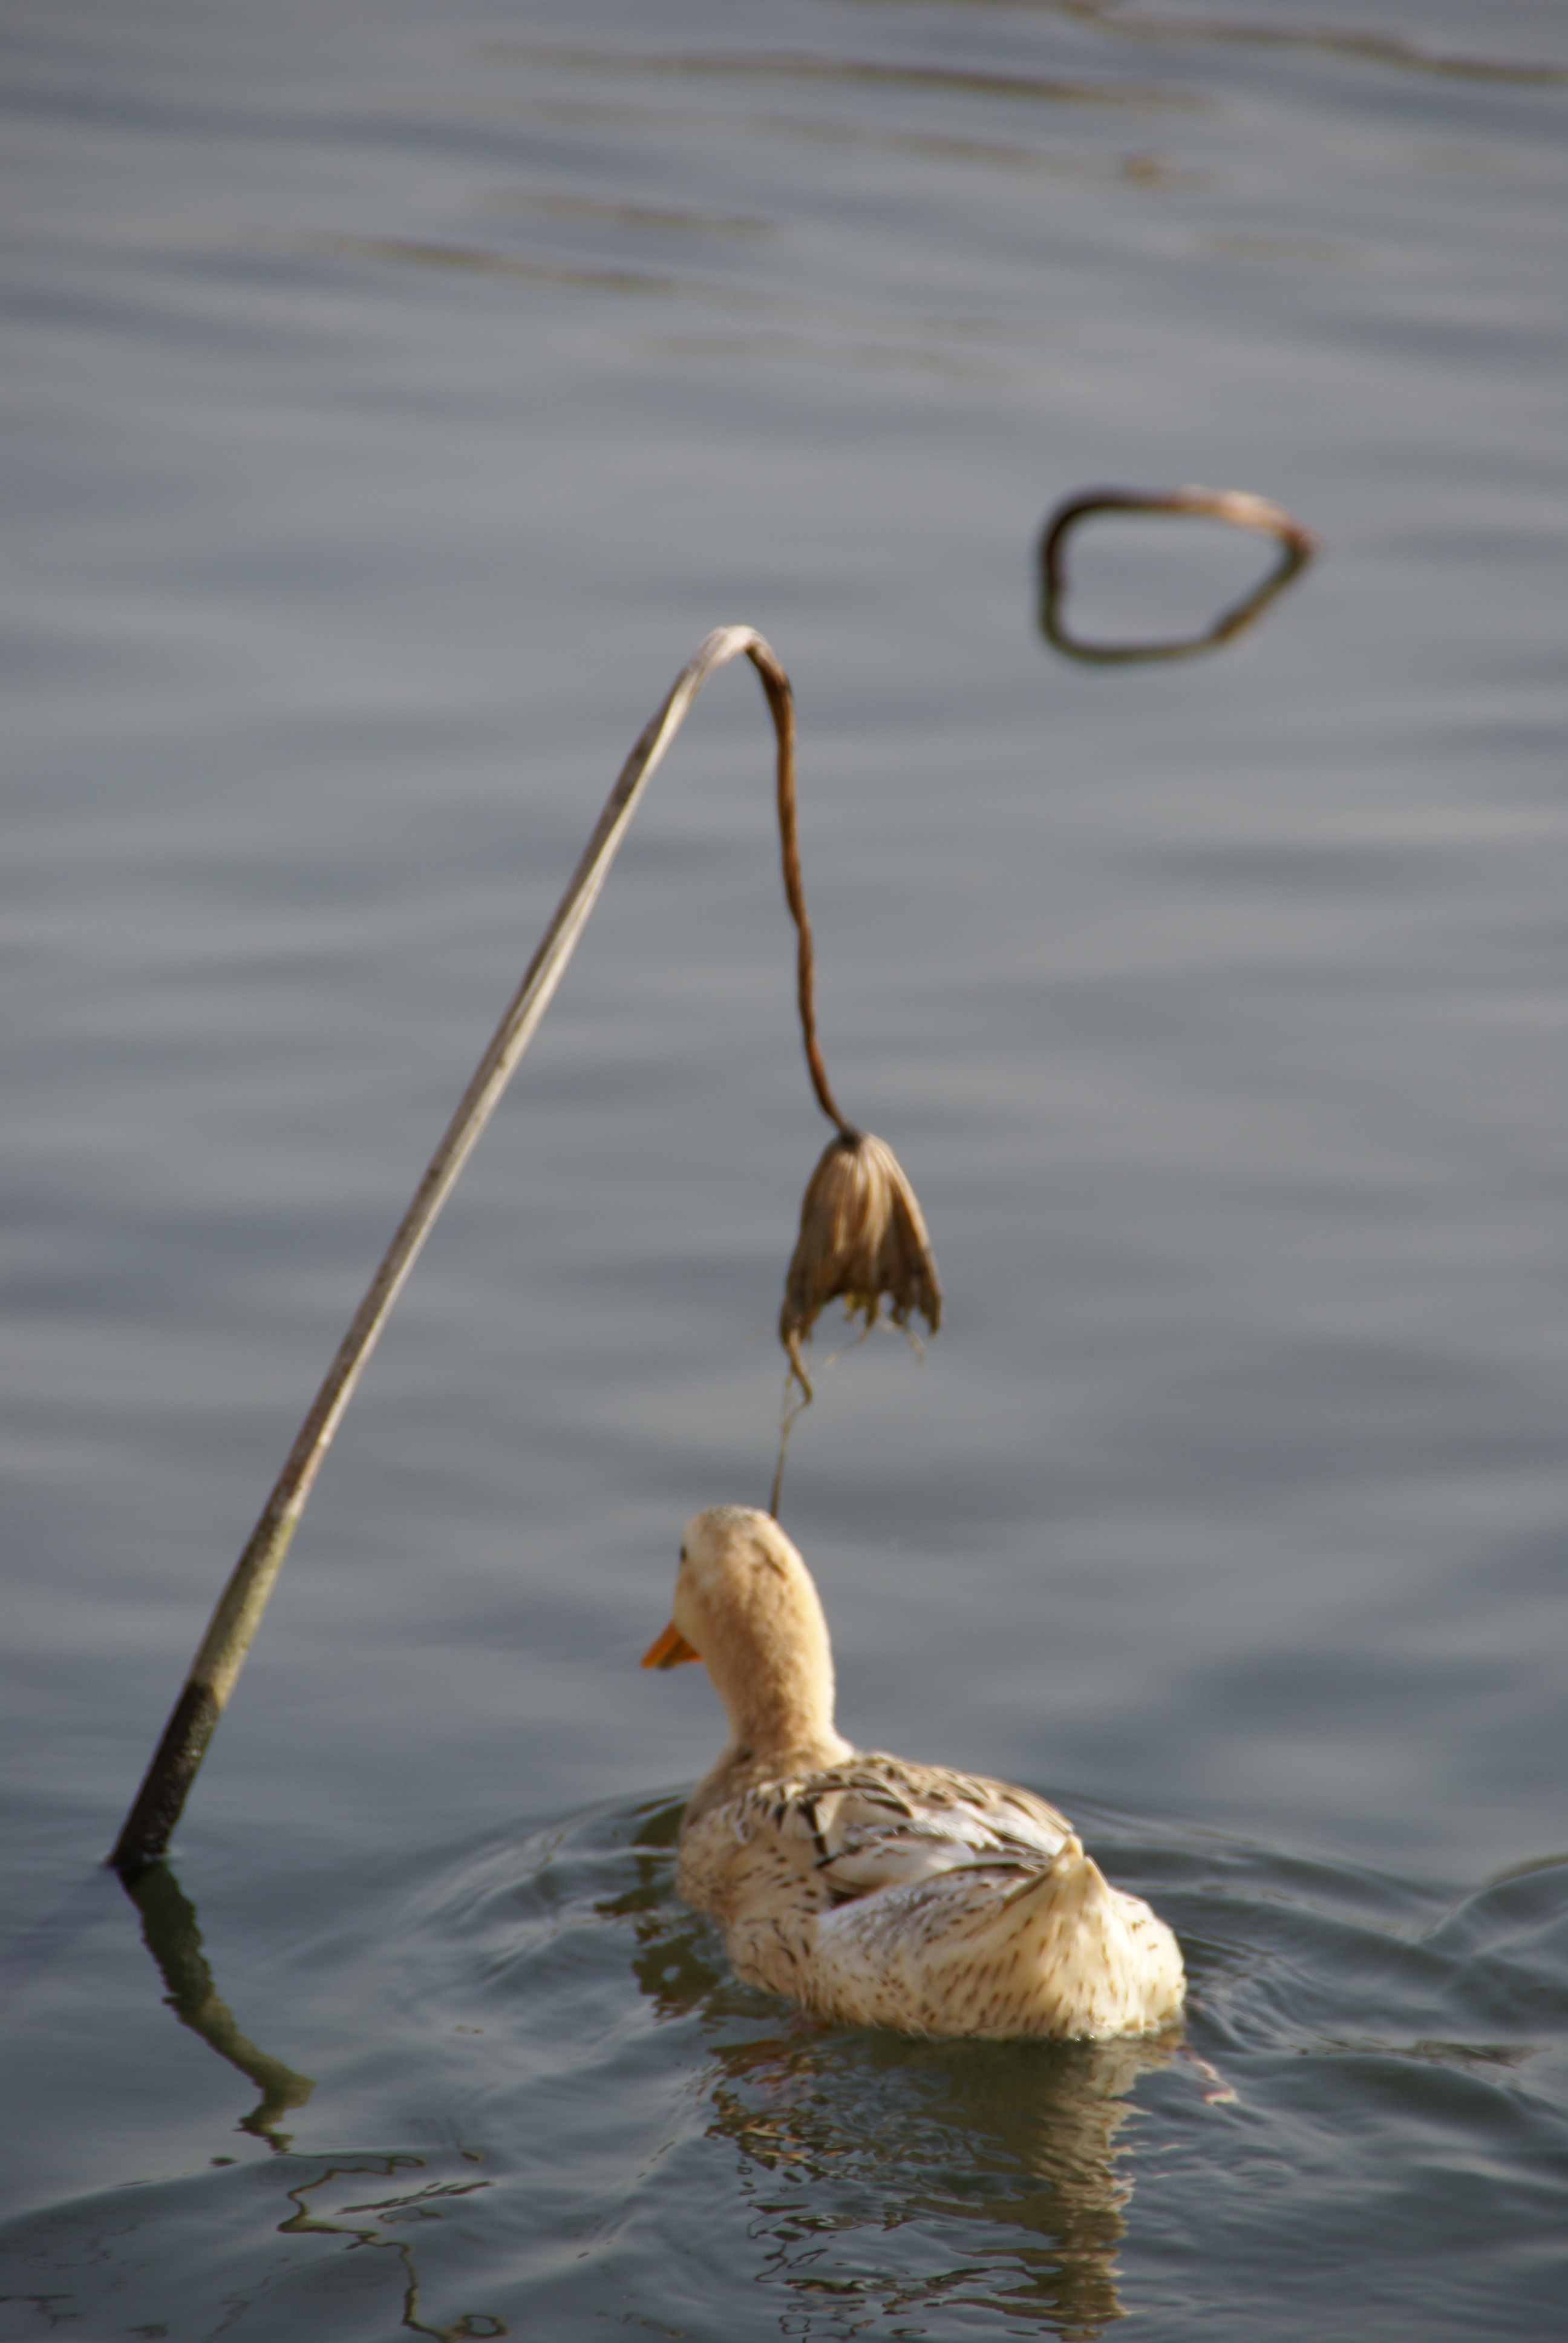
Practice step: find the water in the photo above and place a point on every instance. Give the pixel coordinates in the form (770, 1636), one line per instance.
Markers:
(395, 398)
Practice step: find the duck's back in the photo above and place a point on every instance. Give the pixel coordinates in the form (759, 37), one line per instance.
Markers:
(879, 1892)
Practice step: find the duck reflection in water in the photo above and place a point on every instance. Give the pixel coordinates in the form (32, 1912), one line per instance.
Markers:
(988, 2174)
(893, 2176)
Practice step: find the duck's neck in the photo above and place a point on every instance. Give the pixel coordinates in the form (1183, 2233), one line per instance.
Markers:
(781, 1699)
(781, 1727)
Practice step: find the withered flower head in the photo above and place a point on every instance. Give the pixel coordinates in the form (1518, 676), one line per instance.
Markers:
(862, 1235)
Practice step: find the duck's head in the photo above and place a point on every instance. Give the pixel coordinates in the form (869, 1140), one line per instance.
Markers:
(746, 1605)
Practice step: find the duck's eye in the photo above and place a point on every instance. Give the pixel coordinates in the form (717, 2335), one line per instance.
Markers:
(683, 1553)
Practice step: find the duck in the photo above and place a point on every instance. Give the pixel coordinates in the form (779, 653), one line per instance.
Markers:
(868, 1890)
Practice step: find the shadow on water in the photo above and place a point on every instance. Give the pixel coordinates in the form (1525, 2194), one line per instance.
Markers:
(363, 2223)
(209, 2253)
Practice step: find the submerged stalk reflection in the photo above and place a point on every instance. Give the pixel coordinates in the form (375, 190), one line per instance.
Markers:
(174, 1939)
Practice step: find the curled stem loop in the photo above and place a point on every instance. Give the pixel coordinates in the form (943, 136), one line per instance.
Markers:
(1239, 508)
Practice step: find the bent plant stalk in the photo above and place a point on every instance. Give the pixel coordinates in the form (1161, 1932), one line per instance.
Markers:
(214, 1672)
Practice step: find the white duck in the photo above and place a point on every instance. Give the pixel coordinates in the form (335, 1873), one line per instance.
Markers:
(868, 1890)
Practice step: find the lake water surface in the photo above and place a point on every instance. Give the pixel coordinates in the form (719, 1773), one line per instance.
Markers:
(395, 397)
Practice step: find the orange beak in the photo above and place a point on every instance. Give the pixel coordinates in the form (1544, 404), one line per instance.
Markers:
(669, 1650)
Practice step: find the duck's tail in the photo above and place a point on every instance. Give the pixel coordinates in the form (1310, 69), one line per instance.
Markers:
(976, 1951)
(1100, 1963)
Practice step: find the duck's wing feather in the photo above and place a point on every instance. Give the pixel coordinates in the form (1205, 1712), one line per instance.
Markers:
(876, 1822)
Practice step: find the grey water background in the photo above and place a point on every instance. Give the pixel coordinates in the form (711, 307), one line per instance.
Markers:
(394, 395)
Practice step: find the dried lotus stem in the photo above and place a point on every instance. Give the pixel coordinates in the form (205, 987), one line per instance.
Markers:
(218, 1663)
(1237, 506)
